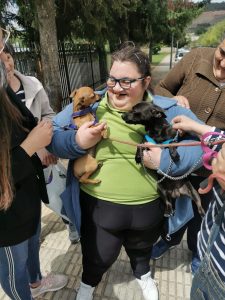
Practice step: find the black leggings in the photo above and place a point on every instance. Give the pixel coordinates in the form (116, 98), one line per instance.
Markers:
(106, 226)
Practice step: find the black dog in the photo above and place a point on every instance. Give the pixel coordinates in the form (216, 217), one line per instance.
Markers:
(157, 127)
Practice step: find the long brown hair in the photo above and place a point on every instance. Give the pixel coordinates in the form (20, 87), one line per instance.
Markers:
(8, 115)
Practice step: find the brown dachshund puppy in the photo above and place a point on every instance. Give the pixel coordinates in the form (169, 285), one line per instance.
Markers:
(157, 127)
(86, 165)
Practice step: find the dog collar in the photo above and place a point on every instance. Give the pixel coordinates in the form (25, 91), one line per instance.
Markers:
(80, 113)
(150, 140)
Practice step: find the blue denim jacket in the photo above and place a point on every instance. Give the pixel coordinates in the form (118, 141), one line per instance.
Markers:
(63, 145)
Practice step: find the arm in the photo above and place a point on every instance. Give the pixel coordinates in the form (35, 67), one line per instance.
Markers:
(189, 156)
(47, 113)
(71, 144)
(39, 137)
(46, 110)
(186, 124)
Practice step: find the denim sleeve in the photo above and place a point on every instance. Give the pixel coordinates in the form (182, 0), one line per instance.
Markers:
(190, 159)
(63, 142)
(191, 156)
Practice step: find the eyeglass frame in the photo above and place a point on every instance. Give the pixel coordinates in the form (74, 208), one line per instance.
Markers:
(123, 78)
(6, 39)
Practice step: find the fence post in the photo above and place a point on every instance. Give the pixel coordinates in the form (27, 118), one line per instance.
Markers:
(65, 66)
(92, 73)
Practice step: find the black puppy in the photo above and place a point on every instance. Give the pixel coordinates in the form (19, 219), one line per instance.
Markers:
(157, 127)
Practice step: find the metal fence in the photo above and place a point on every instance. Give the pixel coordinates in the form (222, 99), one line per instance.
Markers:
(79, 65)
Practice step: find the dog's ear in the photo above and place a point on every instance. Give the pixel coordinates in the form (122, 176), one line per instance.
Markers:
(73, 93)
(158, 113)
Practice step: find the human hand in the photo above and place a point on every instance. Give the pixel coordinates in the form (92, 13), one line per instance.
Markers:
(218, 165)
(151, 157)
(39, 137)
(184, 123)
(182, 101)
(46, 157)
(88, 135)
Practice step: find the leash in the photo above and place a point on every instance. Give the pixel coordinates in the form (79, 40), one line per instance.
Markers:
(210, 182)
(206, 158)
(168, 145)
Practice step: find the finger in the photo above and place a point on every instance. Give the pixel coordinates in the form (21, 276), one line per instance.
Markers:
(87, 124)
(177, 119)
(187, 105)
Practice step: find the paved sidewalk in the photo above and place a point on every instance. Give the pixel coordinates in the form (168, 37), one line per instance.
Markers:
(160, 71)
(172, 272)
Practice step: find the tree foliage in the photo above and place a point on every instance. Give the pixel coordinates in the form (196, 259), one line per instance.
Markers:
(180, 14)
(98, 21)
(213, 36)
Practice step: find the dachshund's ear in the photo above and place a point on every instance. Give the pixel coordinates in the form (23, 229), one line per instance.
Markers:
(73, 93)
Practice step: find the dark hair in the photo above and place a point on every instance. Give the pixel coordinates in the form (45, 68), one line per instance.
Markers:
(9, 114)
(9, 49)
(129, 52)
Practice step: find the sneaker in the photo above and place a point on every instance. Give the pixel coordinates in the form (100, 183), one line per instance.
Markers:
(85, 292)
(73, 234)
(50, 283)
(149, 287)
(195, 263)
(160, 248)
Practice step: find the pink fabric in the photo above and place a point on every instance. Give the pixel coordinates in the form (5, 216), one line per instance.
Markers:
(209, 154)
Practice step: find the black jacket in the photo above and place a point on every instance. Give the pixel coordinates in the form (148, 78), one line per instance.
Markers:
(20, 221)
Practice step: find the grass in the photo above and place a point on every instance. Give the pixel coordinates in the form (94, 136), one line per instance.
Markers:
(157, 58)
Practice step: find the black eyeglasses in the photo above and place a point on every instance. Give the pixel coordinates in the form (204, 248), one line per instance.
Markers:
(125, 83)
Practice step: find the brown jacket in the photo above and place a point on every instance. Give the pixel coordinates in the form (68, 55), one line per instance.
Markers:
(193, 78)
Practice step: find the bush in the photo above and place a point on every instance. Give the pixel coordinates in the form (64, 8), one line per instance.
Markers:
(156, 48)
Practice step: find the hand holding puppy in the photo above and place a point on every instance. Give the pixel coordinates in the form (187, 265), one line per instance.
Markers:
(88, 135)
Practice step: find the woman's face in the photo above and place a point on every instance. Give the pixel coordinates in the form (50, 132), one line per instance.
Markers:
(9, 65)
(124, 99)
(219, 63)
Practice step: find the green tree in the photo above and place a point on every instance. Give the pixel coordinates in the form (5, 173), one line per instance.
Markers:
(212, 37)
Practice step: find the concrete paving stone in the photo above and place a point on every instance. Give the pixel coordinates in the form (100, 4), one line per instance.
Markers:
(187, 290)
(122, 293)
(179, 289)
(179, 276)
(100, 289)
(172, 289)
(108, 290)
(164, 275)
(163, 287)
